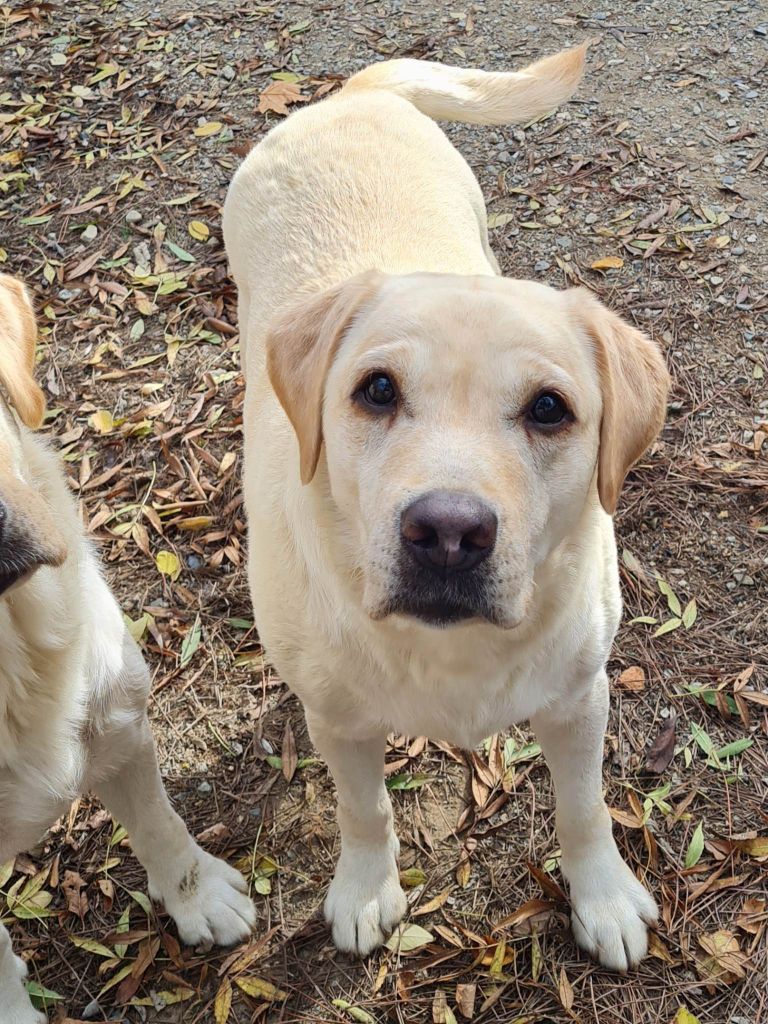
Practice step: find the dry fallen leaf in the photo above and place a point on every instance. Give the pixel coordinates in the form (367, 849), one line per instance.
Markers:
(662, 750)
(632, 679)
(725, 963)
(608, 263)
(465, 999)
(278, 96)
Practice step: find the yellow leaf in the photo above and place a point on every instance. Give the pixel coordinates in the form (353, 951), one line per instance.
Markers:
(195, 523)
(198, 230)
(608, 263)
(260, 989)
(684, 1016)
(168, 564)
(102, 421)
(223, 1002)
(408, 937)
(209, 128)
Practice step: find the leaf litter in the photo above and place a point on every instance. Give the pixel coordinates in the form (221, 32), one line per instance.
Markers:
(115, 152)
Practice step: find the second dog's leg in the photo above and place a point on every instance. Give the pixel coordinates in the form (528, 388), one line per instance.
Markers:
(206, 897)
(15, 1007)
(365, 900)
(611, 909)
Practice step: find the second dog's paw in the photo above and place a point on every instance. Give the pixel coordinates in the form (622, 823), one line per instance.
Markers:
(365, 901)
(612, 913)
(207, 899)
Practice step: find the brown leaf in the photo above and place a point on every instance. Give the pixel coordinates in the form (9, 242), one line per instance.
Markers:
(465, 999)
(565, 990)
(662, 750)
(752, 917)
(724, 963)
(549, 885)
(77, 901)
(531, 911)
(625, 818)
(288, 755)
(632, 679)
(278, 96)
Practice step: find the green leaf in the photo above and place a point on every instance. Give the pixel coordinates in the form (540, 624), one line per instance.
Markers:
(40, 996)
(407, 781)
(180, 253)
(646, 620)
(690, 613)
(672, 599)
(191, 642)
(91, 946)
(737, 747)
(513, 756)
(412, 877)
(355, 1012)
(142, 900)
(668, 626)
(696, 847)
(240, 623)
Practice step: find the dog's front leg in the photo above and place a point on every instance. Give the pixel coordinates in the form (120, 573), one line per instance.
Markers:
(611, 910)
(365, 900)
(15, 1007)
(205, 897)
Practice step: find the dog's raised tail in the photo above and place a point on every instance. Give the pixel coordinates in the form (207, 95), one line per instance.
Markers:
(478, 97)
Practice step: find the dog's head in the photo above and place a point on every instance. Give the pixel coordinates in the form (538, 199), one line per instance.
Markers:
(29, 536)
(467, 423)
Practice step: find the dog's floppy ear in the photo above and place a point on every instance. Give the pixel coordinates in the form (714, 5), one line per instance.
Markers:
(634, 383)
(18, 336)
(301, 345)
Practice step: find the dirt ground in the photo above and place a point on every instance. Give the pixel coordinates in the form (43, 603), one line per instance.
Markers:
(120, 126)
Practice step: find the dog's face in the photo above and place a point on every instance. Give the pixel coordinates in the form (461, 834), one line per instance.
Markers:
(29, 536)
(465, 423)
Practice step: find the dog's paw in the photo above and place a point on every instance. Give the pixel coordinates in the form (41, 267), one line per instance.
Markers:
(206, 898)
(365, 901)
(611, 912)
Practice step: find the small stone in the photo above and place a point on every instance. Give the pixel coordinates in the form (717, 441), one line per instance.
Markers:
(738, 250)
(205, 788)
(90, 234)
(728, 179)
(541, 265)
(65, 294)
(591, 218)
(228, 72)
(134, 216)
(715, 279)
(564, 242)
(553, 220)
(194, 561)
(236, 748)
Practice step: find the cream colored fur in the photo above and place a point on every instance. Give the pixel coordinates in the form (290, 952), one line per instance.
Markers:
(357, 237)
(73, 695)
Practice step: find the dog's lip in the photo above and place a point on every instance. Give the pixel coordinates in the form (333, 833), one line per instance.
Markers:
(10, 578)
(439, 613)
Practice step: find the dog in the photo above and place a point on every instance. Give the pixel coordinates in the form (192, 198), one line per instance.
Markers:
(74, 686)
(433, 455)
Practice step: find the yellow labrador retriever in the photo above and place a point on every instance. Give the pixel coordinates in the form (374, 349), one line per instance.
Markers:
(73, 685)
(432, 458)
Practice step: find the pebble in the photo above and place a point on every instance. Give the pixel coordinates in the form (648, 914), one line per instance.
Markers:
(194, 561)
(564, 242)
(737, 250)
(541, 265)
(228, 72)
(591, 218)
(134, 216)
(90, 233)
(553, 220)
(65, 294)
(205, 788)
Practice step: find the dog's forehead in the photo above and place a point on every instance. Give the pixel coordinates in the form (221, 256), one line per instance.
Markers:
(464, 319)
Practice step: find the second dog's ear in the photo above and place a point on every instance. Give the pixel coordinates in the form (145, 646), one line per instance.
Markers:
(18, 337)
(301, 345)
(634, 383)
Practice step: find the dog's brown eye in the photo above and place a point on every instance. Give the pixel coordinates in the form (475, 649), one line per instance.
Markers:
(379, 391)
(548, 410)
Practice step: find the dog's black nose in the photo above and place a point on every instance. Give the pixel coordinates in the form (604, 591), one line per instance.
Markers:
(449, 531)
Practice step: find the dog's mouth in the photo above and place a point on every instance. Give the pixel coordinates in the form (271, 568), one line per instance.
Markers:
(440, 614)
